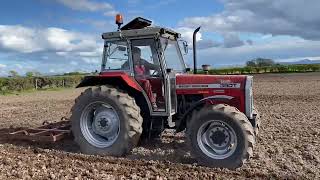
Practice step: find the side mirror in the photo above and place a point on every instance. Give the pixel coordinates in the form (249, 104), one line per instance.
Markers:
(169, 70)
(185, 46)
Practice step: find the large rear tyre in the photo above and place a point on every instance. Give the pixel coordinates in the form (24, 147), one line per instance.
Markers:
(220, 136)
(106, 121)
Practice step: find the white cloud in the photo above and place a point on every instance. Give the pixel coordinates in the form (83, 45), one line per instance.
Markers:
(3, 73)
(62, 53)
(74, 63)
(91, 60)
(28, 40)
(277, 48)
(2, 66)
(19, 38)
(232, 40)
(111, 13)
(86, 5)
(187, 34)
(19, 66)
(89, 54)
(27, 49)
(281, 30)
(99, 25)
(89, 5)
(285, 17)
(298, 59)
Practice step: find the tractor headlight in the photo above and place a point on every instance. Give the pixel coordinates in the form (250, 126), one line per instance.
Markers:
(249, 97)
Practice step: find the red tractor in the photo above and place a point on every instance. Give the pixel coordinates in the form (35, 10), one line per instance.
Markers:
(145, 87)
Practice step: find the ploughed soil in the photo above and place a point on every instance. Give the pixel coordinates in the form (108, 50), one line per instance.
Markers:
(288, 144)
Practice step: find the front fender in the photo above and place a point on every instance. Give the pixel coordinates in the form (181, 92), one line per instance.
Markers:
(208, 100)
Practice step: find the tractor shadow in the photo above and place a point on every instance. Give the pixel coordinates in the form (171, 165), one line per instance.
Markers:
(165, 149)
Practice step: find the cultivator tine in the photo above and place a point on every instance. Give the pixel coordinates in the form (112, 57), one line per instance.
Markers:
(49, 132)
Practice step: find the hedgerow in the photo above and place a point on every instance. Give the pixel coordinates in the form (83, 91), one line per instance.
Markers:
(10, 84)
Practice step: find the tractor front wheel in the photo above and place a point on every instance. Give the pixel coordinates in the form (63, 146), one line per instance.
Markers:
(106, 121)
(220, 136)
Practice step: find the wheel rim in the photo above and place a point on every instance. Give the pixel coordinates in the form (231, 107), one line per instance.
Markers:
(217, 139)
(100, 124)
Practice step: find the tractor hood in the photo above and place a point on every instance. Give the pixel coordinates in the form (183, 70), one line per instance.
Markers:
(191, 81)
(236, 88)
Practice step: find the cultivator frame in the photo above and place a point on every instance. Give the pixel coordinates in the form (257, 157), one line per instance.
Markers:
(49, 132)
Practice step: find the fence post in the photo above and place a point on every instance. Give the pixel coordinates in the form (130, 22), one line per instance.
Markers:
(36, 83)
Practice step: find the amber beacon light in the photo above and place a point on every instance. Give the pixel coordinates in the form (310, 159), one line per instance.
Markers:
(119, 20)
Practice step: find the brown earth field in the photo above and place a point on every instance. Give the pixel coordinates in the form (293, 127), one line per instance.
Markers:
(287, 147)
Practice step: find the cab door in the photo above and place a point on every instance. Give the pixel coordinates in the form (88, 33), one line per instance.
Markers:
(145, 57)
(174, 65)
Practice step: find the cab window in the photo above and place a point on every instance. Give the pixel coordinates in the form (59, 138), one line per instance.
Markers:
(116, 56)
(172, 55)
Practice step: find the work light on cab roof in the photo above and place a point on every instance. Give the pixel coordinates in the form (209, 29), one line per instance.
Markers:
(119, 20)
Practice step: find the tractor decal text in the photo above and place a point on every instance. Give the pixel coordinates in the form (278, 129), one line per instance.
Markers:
(204, 86)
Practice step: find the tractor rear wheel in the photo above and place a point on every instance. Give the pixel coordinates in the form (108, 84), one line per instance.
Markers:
(106, 121)
(220, 136)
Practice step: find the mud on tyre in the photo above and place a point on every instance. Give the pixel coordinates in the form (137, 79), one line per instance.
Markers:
(220, 136)
(106, 121)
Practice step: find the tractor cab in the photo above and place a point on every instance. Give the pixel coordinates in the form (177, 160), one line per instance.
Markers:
(149, 55)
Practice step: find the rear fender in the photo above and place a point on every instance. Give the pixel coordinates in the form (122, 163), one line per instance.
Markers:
(182, 122)
(117, 79)
(124, 82)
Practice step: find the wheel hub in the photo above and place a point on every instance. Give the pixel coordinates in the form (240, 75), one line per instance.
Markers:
(100, 124)
(105, 123)
(217, 139)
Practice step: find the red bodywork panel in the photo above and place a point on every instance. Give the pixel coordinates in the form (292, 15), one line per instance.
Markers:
(190, 84)
(214, 85)
(124, 76)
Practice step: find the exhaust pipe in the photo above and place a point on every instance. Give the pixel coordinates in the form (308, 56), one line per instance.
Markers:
(195, 50)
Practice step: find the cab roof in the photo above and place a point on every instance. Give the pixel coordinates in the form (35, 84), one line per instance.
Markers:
(139, 27)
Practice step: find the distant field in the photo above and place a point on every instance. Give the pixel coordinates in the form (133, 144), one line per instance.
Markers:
(268, 69)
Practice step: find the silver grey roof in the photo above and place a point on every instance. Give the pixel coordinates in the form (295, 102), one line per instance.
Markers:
(148, 31)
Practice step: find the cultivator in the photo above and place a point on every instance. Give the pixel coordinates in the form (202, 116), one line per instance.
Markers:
(48, 132)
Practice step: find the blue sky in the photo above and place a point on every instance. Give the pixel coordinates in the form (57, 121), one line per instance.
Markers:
(57, 36)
